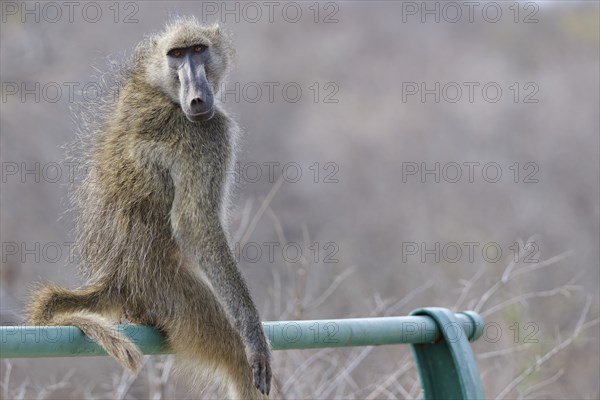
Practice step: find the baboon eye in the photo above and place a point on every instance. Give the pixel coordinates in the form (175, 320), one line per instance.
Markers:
(198, 49)
(175, 53)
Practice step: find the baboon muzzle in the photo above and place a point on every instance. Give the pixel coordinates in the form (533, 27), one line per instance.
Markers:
(196, 95)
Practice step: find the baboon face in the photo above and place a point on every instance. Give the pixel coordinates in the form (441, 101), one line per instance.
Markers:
(187, 62)
(195, 92)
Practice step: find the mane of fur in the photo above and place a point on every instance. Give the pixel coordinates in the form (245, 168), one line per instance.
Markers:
(90, 116)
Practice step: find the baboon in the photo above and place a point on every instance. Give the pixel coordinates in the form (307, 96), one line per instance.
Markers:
(151, 220)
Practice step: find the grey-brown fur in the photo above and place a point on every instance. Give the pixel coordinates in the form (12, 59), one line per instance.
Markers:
(151, 222)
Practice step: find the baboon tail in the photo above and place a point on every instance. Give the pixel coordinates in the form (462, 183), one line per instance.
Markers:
(106, 335)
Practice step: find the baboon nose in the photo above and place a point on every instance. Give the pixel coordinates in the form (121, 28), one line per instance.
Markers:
(198, 105)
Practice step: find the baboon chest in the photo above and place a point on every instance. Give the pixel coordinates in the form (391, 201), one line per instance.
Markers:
(206, 150)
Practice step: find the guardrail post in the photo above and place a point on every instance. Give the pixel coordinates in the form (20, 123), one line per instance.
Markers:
(447, 366)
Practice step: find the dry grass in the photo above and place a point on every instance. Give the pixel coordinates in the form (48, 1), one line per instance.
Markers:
(508, 370)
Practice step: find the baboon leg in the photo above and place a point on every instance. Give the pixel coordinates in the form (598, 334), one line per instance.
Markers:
(50, 299)
(54, 305)
(205, 336)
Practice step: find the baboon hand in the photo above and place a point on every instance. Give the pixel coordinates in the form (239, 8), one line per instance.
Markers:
(261, 368)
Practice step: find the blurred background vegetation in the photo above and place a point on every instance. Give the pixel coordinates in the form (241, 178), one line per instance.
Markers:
(352, 213)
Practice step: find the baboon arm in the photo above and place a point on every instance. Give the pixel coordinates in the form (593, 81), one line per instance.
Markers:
(197, 229)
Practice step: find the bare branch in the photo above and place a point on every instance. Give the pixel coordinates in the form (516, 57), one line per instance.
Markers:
(261, 210)
(543, 384)
(561, 346)
(329, 291)
(564, 290)
(491, 291)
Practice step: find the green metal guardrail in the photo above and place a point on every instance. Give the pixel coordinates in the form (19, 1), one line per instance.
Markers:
(438, 337)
